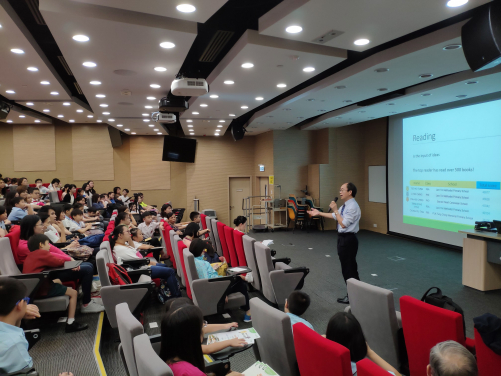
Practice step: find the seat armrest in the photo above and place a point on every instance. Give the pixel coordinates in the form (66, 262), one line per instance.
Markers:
(228, 352)
(285, 260)
(469, 343)
(155, 338)
(209, 294)
(139, 272)
(273, 252)
(39, 276)
(136, 263)
(399, 319)
(227, 278)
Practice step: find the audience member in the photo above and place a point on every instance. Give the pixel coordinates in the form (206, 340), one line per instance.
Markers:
(137, 238)
(39, 260)
(121, 244)
(210, 254)
(35, 196)
(124, 197)
(148, 226)
(345, 329)
(22, 191)
(39, 184)
(20, 210)
(50, 231)
(450, 358)
(23, 182)
(195, 218)
(171, 220)
(9, 197)
(87, 190)
(99, 201)
(91, 187)
(3, 221)
(116, 195)
(239, 223)
(182, 334)
(205, 271)
(111, 197)
(123, 219)
(68, 194)
(13, 181)
(191, 232)
(3, 188)
(295, 305)
(125, 209)
(54, 185)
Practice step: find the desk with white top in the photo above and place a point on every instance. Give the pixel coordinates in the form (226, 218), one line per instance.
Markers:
(482, 260)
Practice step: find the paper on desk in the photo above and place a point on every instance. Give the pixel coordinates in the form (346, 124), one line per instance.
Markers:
(267, 242)
(248, 334)
(237, 270)
(259, 369)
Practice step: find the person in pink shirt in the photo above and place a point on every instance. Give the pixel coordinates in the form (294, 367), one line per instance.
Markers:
(182, 334)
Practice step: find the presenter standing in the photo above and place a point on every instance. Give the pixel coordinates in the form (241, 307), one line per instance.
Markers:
(348, 217)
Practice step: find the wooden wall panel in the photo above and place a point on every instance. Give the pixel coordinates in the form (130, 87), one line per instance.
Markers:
(147, 170)
(314, 182)
(92, 153)
(34, 148)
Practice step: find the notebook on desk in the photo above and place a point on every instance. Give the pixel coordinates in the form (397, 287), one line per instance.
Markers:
(67, 265)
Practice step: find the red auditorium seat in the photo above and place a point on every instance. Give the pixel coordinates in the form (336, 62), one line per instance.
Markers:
(204, 224)
(424, 326)
(317, 355)
(239, 247)
(367, 367)
(168, 245)
(46, 185)
(228, 234)
(181, 246)
(32, 185)
(60, 195)
(14, 235)
(488, 362)
(222, 239)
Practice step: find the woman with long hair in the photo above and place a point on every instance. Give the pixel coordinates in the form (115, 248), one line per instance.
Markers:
(239, 223)
(91, 187)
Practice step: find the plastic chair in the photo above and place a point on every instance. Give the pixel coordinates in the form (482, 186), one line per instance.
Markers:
(317, 355)
(488, 362)
(319, 219)
(298, 212)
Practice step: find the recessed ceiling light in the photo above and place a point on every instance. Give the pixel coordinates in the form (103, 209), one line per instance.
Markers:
(145, 114)
(46, 110)
(471, 82)
(281, 85)
(103, 105)
(89, 64)
(456, 3)
(229, 82)
(155, 86)
(100, 96)
(216, 134)
(203, 105)
(259, 98)
(151, 98)
(220, 126)
(9, 121)
(60, 116)
(112, 120)
(126, 129)
(54, 93)
(426, 94)
(37, 121)
(106, 113)
(132, 132)
(90, 116)
(189, 121)
(461, 96)
(222, 121)
(450, 47)
(151, 125)
(148, 106)
(167, 45)
(244, 107)
(190, 126)
(10, 91)
(81, 38)
(45, 82)
(17, 51)
(308, 69)
(340, 87)
(29, 103)
(381, 70)
(66, 103)
(22, 116)
(247, 65)
(362, 42)
(32, 69)
(146, 120)
(120, 125)
(79, 110)
(382, 89)
(159, 132)
(156, 130)
(95, 82)
(231, 115)
(214, 96)
(99, 121)
(195, 113)
(294, 29)
(186, 8)
(426, 75)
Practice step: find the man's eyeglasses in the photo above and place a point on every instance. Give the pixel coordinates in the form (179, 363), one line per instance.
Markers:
(26, 299)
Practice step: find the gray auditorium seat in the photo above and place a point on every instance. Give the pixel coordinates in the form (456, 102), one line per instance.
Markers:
(208, 222)
(128, 328)
(8, 268)
(207, 293)
(278, 280)
(53, 197)
(173, 243)
(217, 242)
(250, 257)
(276, 345)
(135, 295)
(180, 265)
(147, 360)
(374, 308)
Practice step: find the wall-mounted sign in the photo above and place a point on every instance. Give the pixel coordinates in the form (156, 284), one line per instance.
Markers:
(271, 180)
(261, 168)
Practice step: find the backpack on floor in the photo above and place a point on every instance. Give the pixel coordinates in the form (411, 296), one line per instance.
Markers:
(118, 275)
(439, 300)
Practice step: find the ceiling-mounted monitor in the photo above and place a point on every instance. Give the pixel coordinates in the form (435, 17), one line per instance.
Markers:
(178, 149)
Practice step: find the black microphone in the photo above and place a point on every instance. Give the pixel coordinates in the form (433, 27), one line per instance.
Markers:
(335, 200)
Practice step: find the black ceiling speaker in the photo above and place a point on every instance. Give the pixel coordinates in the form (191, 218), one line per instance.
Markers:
(237, 131)
(481, 38)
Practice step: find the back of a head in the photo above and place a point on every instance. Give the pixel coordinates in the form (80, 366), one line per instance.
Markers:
(120, 217)
(345, 329)
(176, 303)
(76, 212)
(35, 241)
(193, 215)
(192, 229)
(28, 224)
(197, 247)
(181, 335)
(67, 207)
(95, 198)
(298, 302)
(11, 291)
(450, 358)
(146, 214)
(239, 220)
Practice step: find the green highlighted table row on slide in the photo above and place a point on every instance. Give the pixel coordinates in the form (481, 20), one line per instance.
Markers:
(433, 223)
(456, 184)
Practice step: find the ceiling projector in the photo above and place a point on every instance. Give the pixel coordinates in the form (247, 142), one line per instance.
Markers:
(167, 118)
(189, 87)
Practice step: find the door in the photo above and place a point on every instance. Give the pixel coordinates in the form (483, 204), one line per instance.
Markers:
(239, 189)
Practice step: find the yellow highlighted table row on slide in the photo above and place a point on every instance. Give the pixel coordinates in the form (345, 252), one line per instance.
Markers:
(444, 184)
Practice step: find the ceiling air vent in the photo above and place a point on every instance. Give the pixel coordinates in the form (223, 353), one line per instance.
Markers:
(33, 5)
(65, 65)
(324, 38)
(77, 86)
(216, 45)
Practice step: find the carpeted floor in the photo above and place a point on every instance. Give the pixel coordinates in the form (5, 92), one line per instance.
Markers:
(404, 266)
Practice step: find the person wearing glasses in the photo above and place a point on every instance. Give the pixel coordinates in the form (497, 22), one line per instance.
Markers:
(348, 218)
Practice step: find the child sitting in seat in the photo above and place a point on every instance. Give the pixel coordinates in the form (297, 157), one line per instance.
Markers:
(19, 209)
(295, 305)
(149, 226)
(195, 218)
(40, 259)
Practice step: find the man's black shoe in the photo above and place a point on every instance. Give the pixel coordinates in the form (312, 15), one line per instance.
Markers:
(75, 327)
(344, 300)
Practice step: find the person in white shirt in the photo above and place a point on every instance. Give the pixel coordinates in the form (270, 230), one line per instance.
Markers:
(41, 188)
(49, 230)
(124, 198)
(148, 226)
(54, 185)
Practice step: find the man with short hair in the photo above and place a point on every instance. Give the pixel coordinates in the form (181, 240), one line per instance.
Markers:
(19, 210)
(449, 358)
(295, 305)
(348, 218)
(195, 217)
(39, 185)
